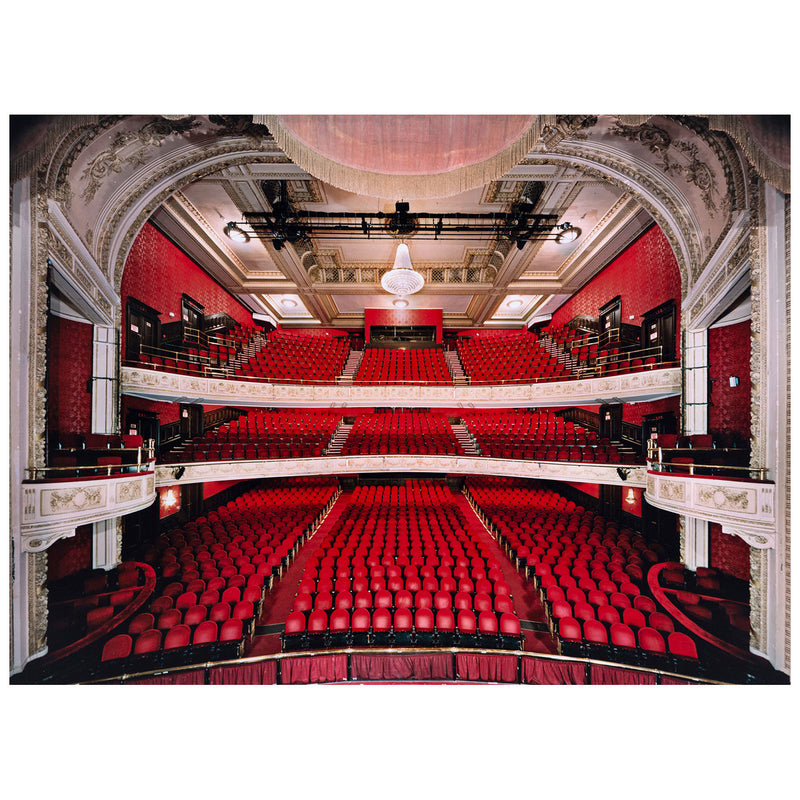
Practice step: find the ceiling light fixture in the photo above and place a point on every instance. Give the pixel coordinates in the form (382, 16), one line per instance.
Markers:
(233, 231)
(401, 278)
(568, 233)
(514, 303)
(401, 302)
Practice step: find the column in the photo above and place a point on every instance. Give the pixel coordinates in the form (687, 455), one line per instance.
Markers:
(105, 379)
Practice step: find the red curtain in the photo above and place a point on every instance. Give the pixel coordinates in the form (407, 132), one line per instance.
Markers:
(486, 667)
(615, 676)
(429, 666)
(667, 680)
(196, 677)
(543, 672)
(260, 673)
(314, 669)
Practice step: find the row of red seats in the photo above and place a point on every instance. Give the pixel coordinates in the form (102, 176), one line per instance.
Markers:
(297, 358)
(521, 359)
(585, 568)
(426, 366)
(402, 432)
(214, 572)
(389, 572)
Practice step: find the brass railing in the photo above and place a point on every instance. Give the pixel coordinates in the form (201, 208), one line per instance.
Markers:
(660, 459)
(145, 456)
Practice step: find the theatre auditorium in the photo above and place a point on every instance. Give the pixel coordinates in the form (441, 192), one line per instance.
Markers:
(408, 399)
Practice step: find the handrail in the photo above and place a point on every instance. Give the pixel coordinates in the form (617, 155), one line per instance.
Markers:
(657, 462)
(404, 651)
(226, 373)
(142, 464)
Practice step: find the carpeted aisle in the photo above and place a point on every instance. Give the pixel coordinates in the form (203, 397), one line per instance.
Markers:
(278, 601)
(526, 599)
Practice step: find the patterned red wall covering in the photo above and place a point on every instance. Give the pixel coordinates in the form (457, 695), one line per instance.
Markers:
(167, 412)
(727, 553)
(157, 273)
(644, 276)
(69, 402)
(729, 406)
(67, 557)
(406, 316)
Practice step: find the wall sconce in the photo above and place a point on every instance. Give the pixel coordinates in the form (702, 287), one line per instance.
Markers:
(630, 499)
(733, 381)
(170, 499)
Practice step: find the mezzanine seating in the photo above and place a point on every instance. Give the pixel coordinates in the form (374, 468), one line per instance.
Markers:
(538, 434)
(285, 433)
(402, 431)
(516, 358)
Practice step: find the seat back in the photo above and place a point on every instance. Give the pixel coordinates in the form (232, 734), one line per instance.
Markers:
(147, 642)
(231, 630)
(423, 619)
(381, 619)
(118, 646)
(622, 635)
(595, 631)
(179, 636)
(403, 619)
(360, 620)
(445, 621)
(340, 620)
(487, 622)
(651, 640)
(295, 623)
(205, 633)
(569, 628)
(317, 620)
(466, 621)
(681, 645)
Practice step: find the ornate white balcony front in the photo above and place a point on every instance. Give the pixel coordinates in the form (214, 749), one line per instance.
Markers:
(197, 472)
(743, 508)
(174, 388)
(53, 509)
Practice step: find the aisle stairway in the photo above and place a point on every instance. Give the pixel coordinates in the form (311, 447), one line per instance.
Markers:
(351, 366)
(455, 367)
(465, 439)
(339, 437)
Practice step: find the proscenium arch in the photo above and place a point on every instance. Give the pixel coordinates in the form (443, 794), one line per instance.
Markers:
(136, 201)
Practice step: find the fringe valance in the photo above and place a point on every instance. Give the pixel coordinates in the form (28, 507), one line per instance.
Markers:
(402, 186)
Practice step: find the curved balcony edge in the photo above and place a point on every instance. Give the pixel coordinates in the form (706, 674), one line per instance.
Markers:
(172, 387)
(743, 508)
(197, 472)
(53, 510)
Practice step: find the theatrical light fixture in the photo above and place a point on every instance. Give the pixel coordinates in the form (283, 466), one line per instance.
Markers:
(567, 233)
(285, 224)
(401, 279)
(233, 231)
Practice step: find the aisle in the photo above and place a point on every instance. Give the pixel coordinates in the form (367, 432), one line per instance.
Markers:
(278, 601)
(527, 604)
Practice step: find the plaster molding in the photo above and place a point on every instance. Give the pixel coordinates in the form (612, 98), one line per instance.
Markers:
(52, 510)
(199, 472)
(171, 387)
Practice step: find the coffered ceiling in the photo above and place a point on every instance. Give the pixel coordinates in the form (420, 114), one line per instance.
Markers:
(329, 280)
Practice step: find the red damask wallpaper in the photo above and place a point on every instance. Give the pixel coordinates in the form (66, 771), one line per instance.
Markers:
(157, 273)
(729, 357)
(645, 275)
(69, 400)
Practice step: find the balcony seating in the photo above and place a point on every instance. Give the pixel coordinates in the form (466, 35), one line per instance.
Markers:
(515, 358)
(416, 366)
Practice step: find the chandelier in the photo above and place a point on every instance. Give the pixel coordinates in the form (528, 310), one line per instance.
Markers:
(401, 279)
